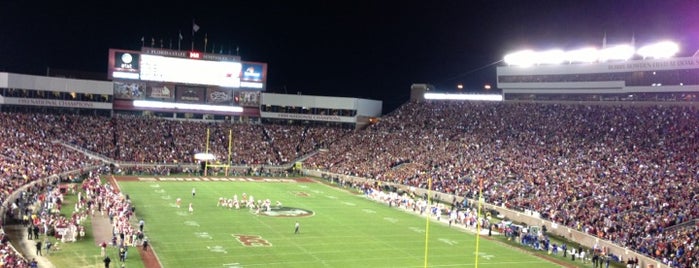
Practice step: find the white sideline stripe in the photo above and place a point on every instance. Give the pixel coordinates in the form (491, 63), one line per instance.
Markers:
(231, 179)
(263, 255)
(339, 261)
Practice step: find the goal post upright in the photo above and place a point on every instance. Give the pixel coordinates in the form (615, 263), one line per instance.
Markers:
(230, 149)
(206, 165)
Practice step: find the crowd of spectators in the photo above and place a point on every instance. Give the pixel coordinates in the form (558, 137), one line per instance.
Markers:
(622, 173)
(27, 155)
(619, 172)
(157, 140)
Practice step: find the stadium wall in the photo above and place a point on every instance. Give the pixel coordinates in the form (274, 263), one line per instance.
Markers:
(22, 81)
(530, 218)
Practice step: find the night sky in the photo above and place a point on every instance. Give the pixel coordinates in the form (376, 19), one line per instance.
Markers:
(368, 49)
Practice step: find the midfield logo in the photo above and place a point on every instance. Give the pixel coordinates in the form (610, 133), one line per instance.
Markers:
(287, 212)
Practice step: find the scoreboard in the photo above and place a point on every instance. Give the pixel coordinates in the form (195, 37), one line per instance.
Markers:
(185, 77)
(186, 67)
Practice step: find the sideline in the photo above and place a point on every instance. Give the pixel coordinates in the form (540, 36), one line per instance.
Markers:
(150, 258)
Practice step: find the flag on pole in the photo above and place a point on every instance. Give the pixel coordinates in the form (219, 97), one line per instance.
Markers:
(206, 40)
(195, 27)
(179, 41)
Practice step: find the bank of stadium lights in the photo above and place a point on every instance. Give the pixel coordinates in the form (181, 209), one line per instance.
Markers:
(475, 97)
(665, 49)
(619, 52)
(186, 106)
(584, 55)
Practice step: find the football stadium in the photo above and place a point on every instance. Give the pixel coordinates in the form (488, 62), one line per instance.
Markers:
(581, 158)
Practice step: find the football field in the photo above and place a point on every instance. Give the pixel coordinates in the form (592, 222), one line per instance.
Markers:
(336, 229)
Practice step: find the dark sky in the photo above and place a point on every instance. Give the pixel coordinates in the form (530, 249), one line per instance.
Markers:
(368, 49)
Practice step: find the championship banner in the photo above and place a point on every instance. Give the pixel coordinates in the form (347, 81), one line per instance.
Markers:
(310, 117)
(190, 94)
(129, 90)
(219, 96)
(160, 91)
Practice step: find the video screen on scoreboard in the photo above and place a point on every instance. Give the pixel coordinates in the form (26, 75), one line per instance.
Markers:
(188, 71)
(123, 64)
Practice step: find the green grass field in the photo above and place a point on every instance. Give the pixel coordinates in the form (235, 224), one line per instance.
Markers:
(346, 230)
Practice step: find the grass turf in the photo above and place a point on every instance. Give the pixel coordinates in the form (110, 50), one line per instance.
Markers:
(346, 230)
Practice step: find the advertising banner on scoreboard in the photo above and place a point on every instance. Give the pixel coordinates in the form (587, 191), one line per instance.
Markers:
(123, 64)
(129, 90)
(247, 98)
(158, 91)
(253, 72)
(253, 75)
(190, 94)
(219, 96)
